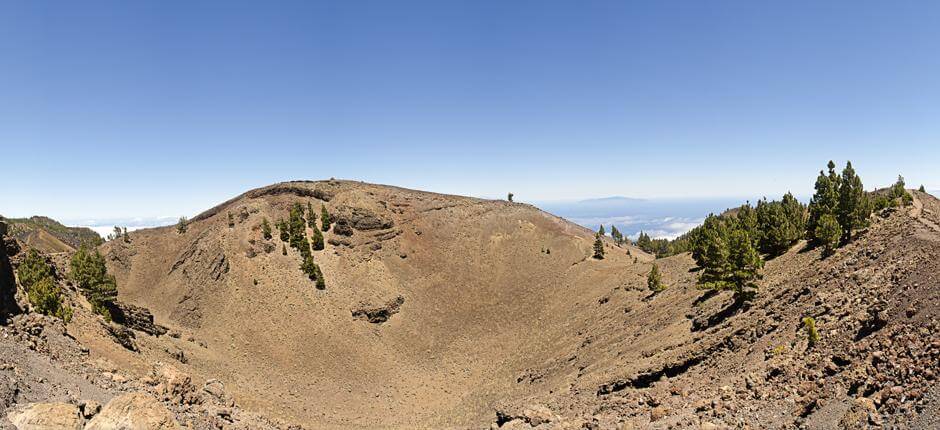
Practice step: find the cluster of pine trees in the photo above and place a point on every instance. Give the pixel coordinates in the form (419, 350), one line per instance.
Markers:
(120, 233)
(89, 273)
(730, 248)
(37, 278)
(293, 232)
(658, 247)
(839, 208)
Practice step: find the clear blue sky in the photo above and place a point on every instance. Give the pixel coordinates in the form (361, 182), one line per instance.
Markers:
(168, 107)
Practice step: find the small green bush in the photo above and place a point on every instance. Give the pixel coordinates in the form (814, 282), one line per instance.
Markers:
(654, 280)
(265, 229)
(182, 225)
(811, 334)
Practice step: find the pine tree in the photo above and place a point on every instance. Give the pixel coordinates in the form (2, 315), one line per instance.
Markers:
(654, 280)
(325, 220)
(854, 207)
(899, 194)
(747, 220)
(824, 201)
(37, 278)
(265, 229)
(509, 197)
(616, 235)
(317, 239)
(745, 263)
(598, 247)
(181, 226)
(644, 242)
(91, 276)
(296, 227)
(601, 231)
(828, 233)
(117, 232)
(321, 282)
(779, 224)
(127, 237)
(311, 217)
(921, 189)
(33, 269)
(283, 229)
(716, 267)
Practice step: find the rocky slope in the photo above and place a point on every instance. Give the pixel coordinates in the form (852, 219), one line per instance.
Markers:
(446, 311)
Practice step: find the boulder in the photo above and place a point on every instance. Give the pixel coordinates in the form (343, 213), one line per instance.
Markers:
(133, 411)
(47, 416)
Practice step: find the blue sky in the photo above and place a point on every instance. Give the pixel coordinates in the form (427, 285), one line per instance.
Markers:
(164, 108)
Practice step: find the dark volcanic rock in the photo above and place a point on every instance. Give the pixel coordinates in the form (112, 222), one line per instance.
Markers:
(137, 318)
(8, 304)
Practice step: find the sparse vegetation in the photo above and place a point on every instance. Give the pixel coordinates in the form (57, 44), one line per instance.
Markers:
(37, 278)
(654, 280)
(90, 274)
(598, 247)
(922, 189)
(812, 336)
(899, 192)
(509, 197)
(182, 225)
(265, 229)
(127, 237)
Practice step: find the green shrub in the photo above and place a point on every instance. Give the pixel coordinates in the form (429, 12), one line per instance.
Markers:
(33, 269)
(182, 225)
(36, 277)
(654, 280)
(265, 229)
(812, 336)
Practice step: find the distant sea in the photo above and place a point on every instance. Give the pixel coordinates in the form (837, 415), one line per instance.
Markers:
(659, 218)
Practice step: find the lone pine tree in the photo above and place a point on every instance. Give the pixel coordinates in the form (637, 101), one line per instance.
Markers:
(654, 280)
(598, 247)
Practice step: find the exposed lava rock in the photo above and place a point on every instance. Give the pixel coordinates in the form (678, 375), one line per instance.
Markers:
(379, 314)
(136, 317)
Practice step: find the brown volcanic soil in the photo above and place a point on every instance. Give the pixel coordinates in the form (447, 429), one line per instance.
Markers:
(446, 311)
(482, 302)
